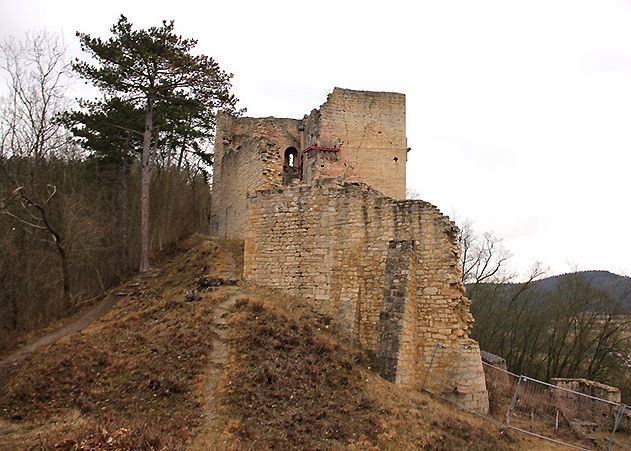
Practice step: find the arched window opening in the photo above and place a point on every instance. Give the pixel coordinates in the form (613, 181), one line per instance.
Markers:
(290, 157)
(290, 165)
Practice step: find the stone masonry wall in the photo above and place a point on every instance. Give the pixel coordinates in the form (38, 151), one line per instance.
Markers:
(393, 318)
(366, 131)
(318, 243)
(369, 129)
(249, 155)
(387, 272)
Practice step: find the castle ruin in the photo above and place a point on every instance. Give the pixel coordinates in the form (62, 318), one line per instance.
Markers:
(319, 202)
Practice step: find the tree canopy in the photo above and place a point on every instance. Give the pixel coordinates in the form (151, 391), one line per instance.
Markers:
(178, 93)
(154, 70)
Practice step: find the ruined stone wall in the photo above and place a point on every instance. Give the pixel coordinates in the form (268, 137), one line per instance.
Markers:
(432, 321)
(319, 243)
(397, 329)
(602, 414)
(590, 388)
(249, 156)
(369, 129)
(456, 373)
(387, 272)
(365, 129)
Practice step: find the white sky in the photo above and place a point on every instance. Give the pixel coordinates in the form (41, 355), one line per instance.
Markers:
(519, 112)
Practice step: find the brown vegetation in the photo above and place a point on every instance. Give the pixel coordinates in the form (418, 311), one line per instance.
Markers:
(131, 377)
(98, 251)
(291, 385)
(297, 383)
(138, 377)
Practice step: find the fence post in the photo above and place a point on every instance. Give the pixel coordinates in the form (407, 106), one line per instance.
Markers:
(619, 415)
(514, 400)
(431, 363)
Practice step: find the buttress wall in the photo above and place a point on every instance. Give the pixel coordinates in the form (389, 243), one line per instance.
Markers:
(435, 349)
(386, 271)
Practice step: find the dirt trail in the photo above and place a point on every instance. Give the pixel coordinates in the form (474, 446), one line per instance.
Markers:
(93, 314)
(79, 323)
(209, 436)
(227, 266)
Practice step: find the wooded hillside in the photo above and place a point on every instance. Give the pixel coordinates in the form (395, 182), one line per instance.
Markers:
(93, 211)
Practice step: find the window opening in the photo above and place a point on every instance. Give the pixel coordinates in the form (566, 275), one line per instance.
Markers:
(290, 157)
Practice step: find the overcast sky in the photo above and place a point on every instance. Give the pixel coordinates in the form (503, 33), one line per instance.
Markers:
(519, 112)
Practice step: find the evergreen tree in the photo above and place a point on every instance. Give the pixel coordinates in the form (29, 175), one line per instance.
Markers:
(111, 129)
(179, 94)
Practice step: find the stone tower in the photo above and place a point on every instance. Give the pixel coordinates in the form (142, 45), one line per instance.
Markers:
(319, 202)
(354, 135)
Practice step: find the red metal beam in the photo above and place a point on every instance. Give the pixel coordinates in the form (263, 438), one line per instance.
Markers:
(324, 148)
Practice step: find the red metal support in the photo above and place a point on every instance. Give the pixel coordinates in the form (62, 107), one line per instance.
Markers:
(324, 148)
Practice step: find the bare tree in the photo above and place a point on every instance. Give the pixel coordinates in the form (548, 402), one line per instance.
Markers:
(33, 214)
(571, 330)
(413, 194)
(37, 77)
(483, 256)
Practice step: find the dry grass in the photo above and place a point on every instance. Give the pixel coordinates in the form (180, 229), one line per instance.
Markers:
(138, 378)
(536, 408)
(294, 383)
(132, 378)
(291, 386)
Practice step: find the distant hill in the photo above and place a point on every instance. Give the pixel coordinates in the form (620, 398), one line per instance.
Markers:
(616, 285)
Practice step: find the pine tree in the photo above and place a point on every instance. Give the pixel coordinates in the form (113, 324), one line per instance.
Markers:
(179, 93)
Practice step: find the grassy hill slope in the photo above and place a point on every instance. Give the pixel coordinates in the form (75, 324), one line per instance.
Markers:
(142, 376)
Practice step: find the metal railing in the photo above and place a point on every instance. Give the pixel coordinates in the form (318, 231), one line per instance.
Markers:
(551, 412)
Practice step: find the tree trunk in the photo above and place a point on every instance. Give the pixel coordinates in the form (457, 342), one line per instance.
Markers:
(60, 244)
(123, 218)
(145, 186)
(181, 157)
(65, 273)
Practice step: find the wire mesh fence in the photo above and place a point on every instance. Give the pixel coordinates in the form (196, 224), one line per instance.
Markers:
(552, 411)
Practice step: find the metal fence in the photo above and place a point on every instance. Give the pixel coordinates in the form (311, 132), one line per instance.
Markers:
(576, 420)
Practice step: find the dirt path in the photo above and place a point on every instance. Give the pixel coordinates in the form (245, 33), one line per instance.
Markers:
(94, 313)
(228, 268)
(209, 436)
(233, 267)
